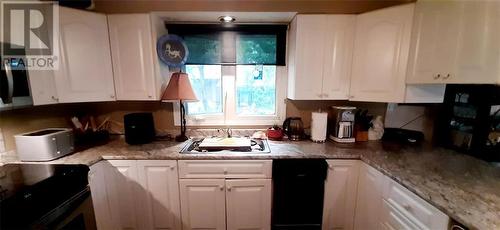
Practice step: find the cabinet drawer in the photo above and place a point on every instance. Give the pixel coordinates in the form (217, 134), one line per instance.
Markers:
(414, 208)
(393, 219)
(225, 168)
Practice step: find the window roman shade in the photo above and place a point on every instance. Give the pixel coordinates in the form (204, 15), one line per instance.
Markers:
(212, 44)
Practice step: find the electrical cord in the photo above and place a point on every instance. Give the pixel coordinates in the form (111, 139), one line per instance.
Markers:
(412, 120)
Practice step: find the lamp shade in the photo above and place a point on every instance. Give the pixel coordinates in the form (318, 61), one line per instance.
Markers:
(179, 88)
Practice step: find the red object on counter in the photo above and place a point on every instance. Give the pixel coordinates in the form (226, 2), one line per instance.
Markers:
(275, 134)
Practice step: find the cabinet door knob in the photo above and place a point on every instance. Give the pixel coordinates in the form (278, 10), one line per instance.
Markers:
(55, 98)
(437, 76)
(447, 76)
(112, 96)
(229, 188)
(221, 188)
(407, 207)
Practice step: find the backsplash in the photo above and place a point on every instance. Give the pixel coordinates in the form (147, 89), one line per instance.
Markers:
(2, 142)
(38, 117)
(413, 117)
(304, 109)
(23, 120)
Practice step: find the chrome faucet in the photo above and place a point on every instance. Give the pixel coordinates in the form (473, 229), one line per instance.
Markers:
(227, 132)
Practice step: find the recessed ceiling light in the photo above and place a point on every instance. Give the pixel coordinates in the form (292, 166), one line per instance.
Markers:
(227, 19)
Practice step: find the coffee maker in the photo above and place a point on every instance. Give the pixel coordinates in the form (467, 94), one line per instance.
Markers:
(341, 124)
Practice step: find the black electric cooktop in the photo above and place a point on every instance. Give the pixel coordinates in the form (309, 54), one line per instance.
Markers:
(30, 191)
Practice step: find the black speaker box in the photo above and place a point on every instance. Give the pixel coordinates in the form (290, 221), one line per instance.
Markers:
(139, 128)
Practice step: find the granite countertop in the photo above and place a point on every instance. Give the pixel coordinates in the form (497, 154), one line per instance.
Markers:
(465, 188)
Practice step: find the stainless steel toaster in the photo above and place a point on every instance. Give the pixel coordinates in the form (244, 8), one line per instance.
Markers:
(45, 144)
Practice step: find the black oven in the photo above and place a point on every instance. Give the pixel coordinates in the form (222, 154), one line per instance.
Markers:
(470, 120)
(39, 196)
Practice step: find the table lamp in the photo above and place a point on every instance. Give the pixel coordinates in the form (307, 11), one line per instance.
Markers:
(179, 88)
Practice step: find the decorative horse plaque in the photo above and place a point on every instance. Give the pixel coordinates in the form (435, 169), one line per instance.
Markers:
(172, 50)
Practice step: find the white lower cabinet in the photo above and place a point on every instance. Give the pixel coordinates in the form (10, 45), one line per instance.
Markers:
(248, 204)
(412, 208)
(385, 204)
(130, 194)
(123, 192)
(203, 204)
(159, 194)
(217, 200)
(392, 219)
(100, 198)
(369, 201)
(340, 194)
(225, 204)
(150, 194)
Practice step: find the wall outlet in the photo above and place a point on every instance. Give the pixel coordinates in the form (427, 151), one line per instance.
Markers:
(391, 106)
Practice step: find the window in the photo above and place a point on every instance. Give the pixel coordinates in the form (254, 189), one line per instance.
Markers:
(255, 90)
(236, 95)
(206, 81)
(237, 75)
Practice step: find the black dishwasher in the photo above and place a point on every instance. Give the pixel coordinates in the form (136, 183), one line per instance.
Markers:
(298, 194)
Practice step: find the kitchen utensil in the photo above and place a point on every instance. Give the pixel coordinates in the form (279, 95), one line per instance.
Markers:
(294, 128)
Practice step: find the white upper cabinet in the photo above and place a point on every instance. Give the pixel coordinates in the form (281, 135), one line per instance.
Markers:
(478, 48)
(85, 73)
(453, 42)
(337, 58)
(42, 84)
(43, 87)
(320, 53)
(132, 52)
(433, 41)
(381, 54)
(340, 194)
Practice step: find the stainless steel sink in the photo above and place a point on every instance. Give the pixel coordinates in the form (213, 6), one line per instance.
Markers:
(258, 146)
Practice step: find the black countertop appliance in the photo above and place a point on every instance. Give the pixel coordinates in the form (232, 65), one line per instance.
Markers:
(298, 189)
(139, 128)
